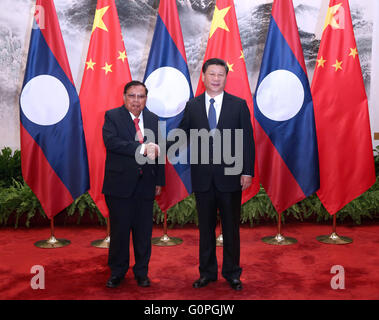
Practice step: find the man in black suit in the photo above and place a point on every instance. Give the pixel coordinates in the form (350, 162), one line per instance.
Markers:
(215, 188)
(130, 185)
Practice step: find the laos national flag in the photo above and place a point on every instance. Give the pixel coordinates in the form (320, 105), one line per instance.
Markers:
(284, 117)
(53, 152)
(168, 80)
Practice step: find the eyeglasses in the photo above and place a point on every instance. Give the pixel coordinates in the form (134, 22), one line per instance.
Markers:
(136, 96)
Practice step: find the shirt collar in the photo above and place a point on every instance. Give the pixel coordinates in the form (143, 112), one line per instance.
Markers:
(140, 116)
(218, 98)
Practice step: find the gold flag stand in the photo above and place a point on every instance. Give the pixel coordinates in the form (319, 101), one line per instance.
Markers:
(165, 240)
(220, 239)
(279, 239)
(103, 243)
(334, 238)
(52, 242)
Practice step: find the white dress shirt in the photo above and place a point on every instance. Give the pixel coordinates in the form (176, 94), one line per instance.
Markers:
(217, 104)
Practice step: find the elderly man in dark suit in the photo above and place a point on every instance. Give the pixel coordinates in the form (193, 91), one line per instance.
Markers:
(216, 189)
(130, 185)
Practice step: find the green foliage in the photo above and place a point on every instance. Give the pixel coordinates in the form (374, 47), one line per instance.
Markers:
(182, 213)
(376, 157)
(85, 204)
(18, 199)
(10, 167)
(258, 208)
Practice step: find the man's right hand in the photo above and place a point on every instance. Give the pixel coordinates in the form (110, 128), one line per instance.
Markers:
(152, 150)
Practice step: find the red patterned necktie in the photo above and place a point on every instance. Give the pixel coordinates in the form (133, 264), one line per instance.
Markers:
(138, 130)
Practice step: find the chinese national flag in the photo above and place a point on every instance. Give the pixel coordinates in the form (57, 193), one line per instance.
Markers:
(105, 75)
(224, 42)
(341, 113)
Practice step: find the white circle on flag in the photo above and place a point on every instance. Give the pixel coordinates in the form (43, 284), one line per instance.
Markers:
(168, 92)
(280, 95)
(44, 100)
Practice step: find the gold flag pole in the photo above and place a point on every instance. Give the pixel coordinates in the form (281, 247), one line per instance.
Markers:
(103, 243)
(220, 238)
(279, 239)
(165, 240)
(52, 242)
(334, 238)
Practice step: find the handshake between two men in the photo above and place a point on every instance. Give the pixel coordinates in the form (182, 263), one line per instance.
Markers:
(152, 150)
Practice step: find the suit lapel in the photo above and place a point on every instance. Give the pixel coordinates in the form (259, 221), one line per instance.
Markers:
(127, 119)
(224, 111)
(147, 123)
(203, 112)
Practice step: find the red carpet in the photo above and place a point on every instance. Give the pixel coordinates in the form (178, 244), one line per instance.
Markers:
(299, 271)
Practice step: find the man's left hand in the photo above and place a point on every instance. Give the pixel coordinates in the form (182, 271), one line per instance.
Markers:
(246, 182)
(158, 190)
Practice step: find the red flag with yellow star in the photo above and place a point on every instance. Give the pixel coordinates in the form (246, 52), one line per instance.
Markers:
(105, 75)
(341, 113)
(224, 42)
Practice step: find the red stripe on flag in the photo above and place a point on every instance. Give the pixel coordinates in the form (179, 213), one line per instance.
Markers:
(170, 17)
(277, 179)
(283, 12)
(174, 191)
(47, 20)
(41, 178)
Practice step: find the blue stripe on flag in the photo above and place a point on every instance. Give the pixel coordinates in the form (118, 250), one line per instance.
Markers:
(294, 139)
(62, 143)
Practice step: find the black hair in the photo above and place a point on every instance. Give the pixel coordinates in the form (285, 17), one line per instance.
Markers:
(133, 84)
(215, 61)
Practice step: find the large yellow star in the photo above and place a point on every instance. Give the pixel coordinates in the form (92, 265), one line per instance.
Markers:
(353, 52)
(98, 21)
(219, 20)
(122, 55)
(337, 65)
(107, 68)
(90, 64)
(330, 20)
(230, 66)
(321, 62)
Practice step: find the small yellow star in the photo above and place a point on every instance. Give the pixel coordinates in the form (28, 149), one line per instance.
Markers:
(218, 20)
(90, 64)
(353, 52)
(107, 68)
(337, 65)
(122, 55)
(230, 66)
(98, 21)
(321, 62)
(242, 56)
